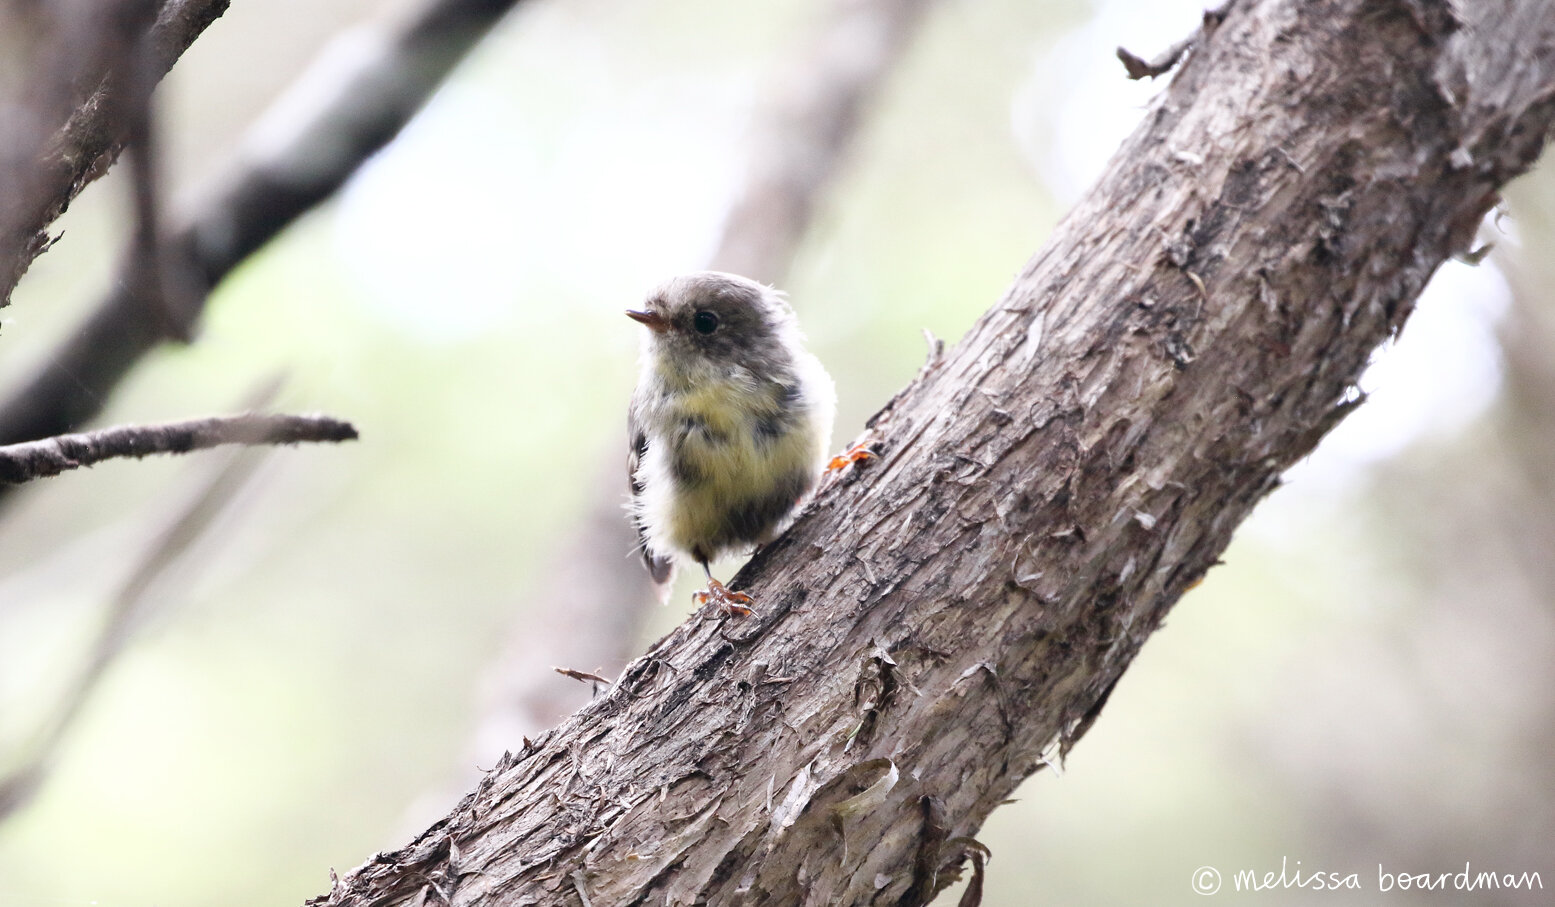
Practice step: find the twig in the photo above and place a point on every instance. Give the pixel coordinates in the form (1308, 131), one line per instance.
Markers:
(606, 591)
(52, 456)
(1139, 68)
(346, 120)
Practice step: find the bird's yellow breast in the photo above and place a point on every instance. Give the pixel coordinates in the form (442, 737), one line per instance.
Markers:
(734, 448)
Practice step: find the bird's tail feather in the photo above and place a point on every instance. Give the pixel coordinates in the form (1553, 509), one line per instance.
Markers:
(662, 571)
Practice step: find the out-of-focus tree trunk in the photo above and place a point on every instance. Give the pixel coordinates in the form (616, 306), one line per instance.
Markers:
(938, 625)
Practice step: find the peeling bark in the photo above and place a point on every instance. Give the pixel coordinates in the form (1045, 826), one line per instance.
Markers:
(942, 621)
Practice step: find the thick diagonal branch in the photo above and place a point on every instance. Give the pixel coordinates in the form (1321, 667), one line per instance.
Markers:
(933, 629)
(52, 456)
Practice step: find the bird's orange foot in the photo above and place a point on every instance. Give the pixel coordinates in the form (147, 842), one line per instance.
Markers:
(728, 601)
(855, 454)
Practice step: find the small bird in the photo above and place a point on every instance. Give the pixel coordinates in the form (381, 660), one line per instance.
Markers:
(729, 425)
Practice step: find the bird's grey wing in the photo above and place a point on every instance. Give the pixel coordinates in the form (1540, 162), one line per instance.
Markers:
(659, 568)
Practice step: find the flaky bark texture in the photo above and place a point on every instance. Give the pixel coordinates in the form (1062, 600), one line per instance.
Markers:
(937, 623)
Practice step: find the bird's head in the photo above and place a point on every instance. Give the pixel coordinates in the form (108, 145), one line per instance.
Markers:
(715, 318)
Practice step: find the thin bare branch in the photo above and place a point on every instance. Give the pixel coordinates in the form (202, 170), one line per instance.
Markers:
(52, 456)
(1139, 68)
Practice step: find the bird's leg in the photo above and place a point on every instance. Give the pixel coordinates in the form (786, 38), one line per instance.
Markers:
(854, 454)
(727, 600)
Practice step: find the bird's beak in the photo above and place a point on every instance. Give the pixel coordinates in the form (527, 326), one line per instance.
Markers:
(655, 322)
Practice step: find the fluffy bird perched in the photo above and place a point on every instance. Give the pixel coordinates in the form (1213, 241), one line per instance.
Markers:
(729, 425)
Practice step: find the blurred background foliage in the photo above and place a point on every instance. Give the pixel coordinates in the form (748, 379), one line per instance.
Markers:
(1366, 680)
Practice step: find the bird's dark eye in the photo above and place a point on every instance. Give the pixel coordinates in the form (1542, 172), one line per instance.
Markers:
(705, 322)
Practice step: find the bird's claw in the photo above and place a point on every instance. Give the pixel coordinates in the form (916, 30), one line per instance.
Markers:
(855, 454)
(734, 604)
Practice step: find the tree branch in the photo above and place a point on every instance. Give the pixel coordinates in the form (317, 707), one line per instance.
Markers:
(52, 456)
(936, 627)
(362, 91)
(62, 142)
